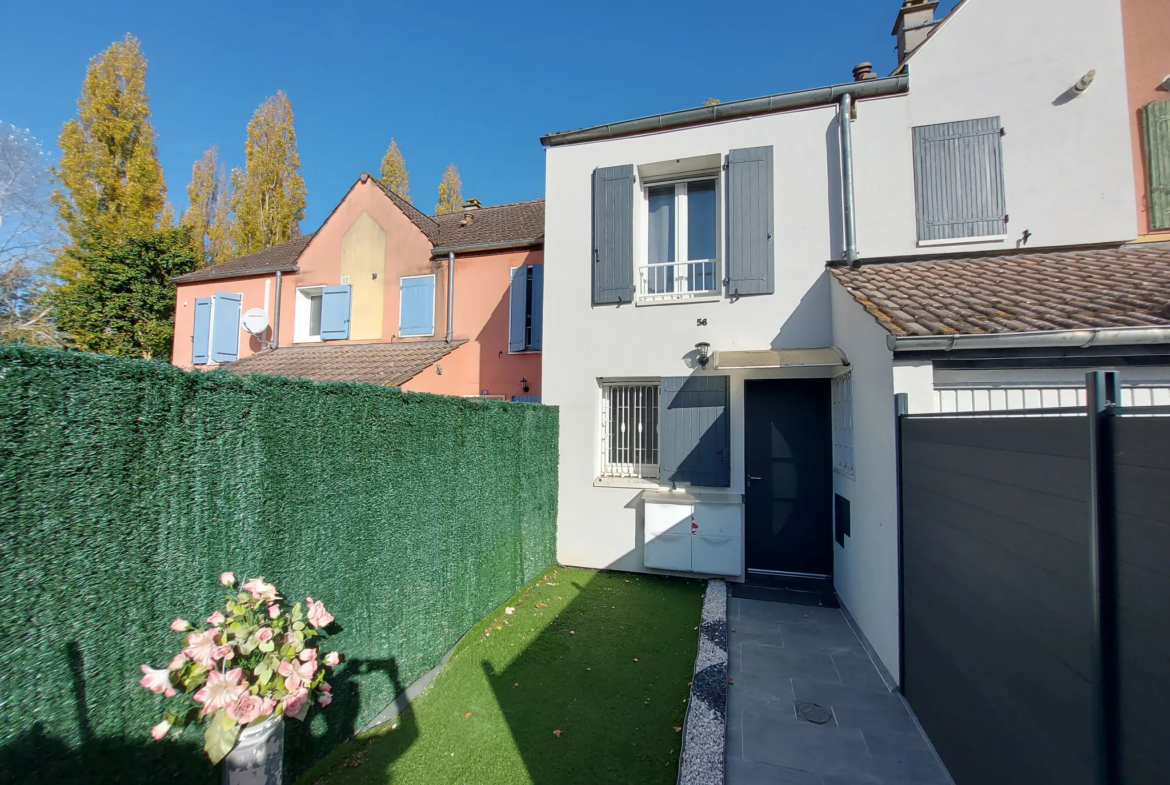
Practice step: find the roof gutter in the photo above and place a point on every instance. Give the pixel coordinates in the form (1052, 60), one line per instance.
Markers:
(1067, 339)
(286, 268)
(733, 110)
(500, 246)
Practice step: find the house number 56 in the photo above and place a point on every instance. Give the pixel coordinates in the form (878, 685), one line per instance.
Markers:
(700, 322)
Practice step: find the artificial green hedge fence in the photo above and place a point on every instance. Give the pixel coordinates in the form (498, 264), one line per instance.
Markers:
(127, 486)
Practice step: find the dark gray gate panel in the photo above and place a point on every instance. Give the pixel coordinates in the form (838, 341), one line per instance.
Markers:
(958, 179)
(750, 222)
(996, 629)
(694, 431)
(1142, 476)
(613, 235)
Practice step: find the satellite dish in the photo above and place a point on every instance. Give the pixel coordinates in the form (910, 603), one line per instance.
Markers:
(255, 321)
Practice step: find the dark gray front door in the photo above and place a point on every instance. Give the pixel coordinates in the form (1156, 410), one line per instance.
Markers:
(788, 459)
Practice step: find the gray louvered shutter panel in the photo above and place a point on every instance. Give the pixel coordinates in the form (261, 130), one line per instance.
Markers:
(958, 180)
(537, 343)
(695, 431)
(517, 309)
(201, 333)
(613, 235)
(751, 229)
(225, 329)
(1156, 139)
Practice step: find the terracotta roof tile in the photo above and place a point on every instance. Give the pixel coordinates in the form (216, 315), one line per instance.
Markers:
(374, 363)
(278, 257)
(1058, 289)
(497, 224)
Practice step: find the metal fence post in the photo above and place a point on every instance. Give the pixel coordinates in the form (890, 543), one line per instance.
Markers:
(1102, 389)
(901, 408)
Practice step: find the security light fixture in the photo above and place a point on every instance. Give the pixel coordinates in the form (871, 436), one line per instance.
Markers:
(524, 383)
(704, 350)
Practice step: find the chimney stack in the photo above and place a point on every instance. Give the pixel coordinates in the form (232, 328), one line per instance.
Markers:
(863, 71)
(471, 204)
(913, 26)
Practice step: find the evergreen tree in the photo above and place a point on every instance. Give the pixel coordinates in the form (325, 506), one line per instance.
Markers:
(394, 174)
(122, 302)
(112, 180)
(268, 194)
(208, 216)
(450, 192)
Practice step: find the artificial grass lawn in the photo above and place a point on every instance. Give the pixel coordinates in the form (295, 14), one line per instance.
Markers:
(603, 658)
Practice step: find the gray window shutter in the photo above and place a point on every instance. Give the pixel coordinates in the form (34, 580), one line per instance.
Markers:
(201, 334)
(1156, 139)
(751, 220)
(525, 399)
(537, 307)
(695, 431)
(613, 235)
(958, 180)
(225, 334)
(335, 303)
(517, 309)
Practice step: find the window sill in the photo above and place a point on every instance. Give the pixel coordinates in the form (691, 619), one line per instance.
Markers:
(990, 238)
(707, 298)
(525, 351)
(625, 482)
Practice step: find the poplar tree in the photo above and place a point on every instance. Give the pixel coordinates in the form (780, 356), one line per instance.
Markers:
(268, 194)
(208, 216)
(450, 192)
(109, 171)
(394, 174)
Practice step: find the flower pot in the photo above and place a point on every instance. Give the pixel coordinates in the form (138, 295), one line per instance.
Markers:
(258, 757)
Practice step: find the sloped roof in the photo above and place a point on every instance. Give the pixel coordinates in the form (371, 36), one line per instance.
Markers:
(502, 223)
(373, 363)
(1058, 289)
(279, 257)
(426, 224)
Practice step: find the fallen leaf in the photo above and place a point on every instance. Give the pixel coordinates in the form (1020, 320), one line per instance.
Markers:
(560, 598)
(509, 611)
(572, 633)
(517, 684)
(807, 616)
(468, 714)
(541, 605)
(696, 628)
(677, 728)
(635, 659)
(733, 629)
(552, 584)
(557, 733)
(731, 681)
(498, 627)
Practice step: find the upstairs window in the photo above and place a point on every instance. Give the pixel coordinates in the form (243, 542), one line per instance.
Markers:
(526, 309)
(681, 246)
(958, 182)
(321, 313)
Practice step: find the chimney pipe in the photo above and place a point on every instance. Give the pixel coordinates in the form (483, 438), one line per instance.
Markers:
(863, 72)
(844, 120)
(913, 25)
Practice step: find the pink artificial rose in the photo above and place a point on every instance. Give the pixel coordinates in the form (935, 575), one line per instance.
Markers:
(180, 625)
(318, 616)
(324, 699)
(215, 619)
(246, 709)
(307, 654)
(260, 590)
(296, 673)
(294, 701)
(273, 611)
(264, 634)
(332, 659)
(267, 706)
(170, 692)
(160, 730)
(156, 679)
(325, 687)
(222, 652)
(200, 647)
(178, 662)
(227, 578)
(221, 690)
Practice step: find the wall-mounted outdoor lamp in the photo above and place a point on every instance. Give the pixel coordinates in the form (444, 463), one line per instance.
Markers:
(524, 383)
(704, 350)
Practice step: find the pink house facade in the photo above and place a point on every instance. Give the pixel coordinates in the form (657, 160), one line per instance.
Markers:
(381, 293)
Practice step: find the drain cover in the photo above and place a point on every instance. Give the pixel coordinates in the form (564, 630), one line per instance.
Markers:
(812, 712)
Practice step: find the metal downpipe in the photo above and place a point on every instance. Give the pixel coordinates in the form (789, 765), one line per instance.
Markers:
(275, 342)
(844, 120)
(450, 296)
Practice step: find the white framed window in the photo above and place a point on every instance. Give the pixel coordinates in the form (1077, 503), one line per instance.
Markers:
(307, 314)
(843, 423)
(682, 240)
(629, 429)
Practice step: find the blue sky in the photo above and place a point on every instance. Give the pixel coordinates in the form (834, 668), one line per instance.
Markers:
(476, 83)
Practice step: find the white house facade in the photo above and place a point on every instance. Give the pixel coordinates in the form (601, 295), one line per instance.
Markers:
(727, 401)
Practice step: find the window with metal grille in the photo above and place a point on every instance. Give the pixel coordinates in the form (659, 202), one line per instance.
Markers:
(843, 423)
(629, 430)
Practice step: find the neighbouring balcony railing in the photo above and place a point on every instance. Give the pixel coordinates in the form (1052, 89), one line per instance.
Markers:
(677, 280)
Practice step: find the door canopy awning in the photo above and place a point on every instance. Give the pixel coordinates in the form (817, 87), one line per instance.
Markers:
(828, 356)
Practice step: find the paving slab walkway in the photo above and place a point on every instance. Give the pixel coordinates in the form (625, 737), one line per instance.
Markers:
(791, 660)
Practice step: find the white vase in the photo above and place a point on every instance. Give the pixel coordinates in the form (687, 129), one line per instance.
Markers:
(258, 757)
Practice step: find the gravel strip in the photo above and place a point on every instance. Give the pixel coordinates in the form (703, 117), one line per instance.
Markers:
(705, 731)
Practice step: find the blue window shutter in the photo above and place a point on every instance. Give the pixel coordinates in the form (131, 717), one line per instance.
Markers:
(201, 335)
(537, 308)
(613, 234)
(335, 302)
(958, 179)
(695, 431)
(417, 314)
(517, 309)
(225, 335)
(751, 231)
(525, 399)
